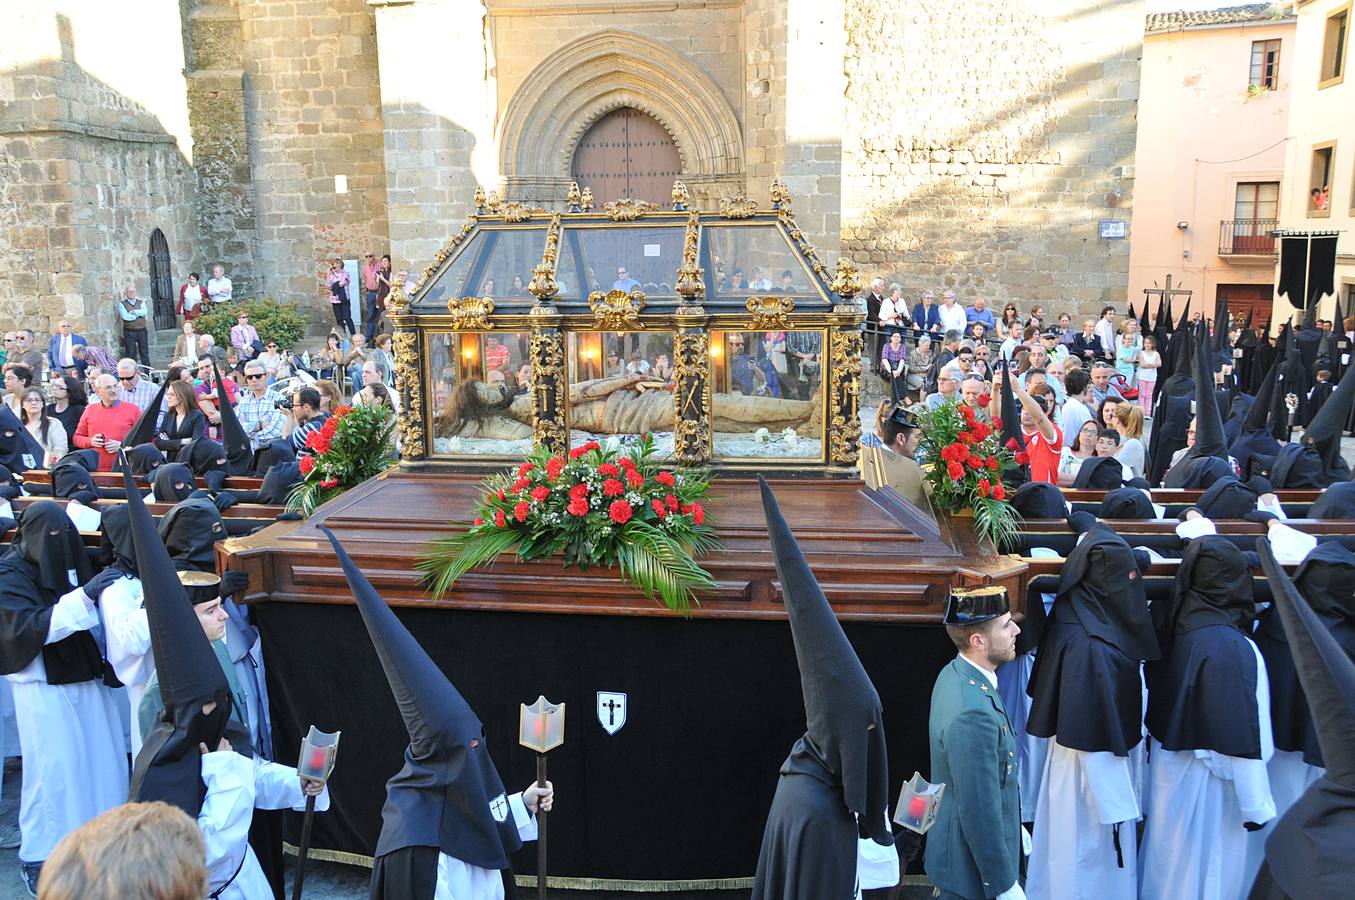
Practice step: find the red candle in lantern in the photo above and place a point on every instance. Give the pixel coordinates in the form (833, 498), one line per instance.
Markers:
(917, 807)
(318, 759)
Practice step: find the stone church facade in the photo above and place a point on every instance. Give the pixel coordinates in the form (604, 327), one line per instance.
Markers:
(969, 145)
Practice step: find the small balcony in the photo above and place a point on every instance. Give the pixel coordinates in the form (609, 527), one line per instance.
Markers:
(1247, 238)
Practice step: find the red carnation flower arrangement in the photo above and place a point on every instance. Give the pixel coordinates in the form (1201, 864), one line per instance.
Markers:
(593, 506)
(964, 459)
(352, 445)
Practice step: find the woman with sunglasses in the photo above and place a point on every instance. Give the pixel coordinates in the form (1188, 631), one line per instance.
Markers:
(273, 361)
(68, 404)
(1010, 319)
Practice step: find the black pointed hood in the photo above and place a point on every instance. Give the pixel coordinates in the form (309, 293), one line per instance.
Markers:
(1213, 587)
(1336, 502)
(19, 452)
(190, 531)
(1326, 672)
(844, 719)
(169, 766)
(116, 546)
(1144, 327)
(173, 483)
(1209, 438)
(1101, 473)
(239, 455)
(1221, 323)
(1011, 413)
(1039, 500)
(1326, 579)
(143, 432)
(1100, 583)
(1324, 431)
(1164, 315)
(1127, 503)
(143, 460)
(443, 795)
(1259, 414)
(1226, 498)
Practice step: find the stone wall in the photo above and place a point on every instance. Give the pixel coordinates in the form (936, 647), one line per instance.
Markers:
(313, 112)
(985, 141)
(92, 160)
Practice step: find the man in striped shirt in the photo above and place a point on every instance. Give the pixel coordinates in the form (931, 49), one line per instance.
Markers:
(132, 388)
(258, 408)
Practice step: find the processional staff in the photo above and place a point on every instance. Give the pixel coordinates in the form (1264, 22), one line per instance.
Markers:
(316, 763)
(541, 727)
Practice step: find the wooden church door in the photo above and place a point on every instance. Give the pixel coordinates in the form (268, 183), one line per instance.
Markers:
(627, 153)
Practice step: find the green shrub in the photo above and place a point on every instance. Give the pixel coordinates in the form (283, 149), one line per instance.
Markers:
(273, 319)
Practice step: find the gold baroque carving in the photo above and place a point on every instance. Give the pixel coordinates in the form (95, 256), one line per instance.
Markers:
(518, 212)
(548, 390)
(845, 284)
(691, 278)
(680, 196)
(628, 209)
(780, 196)
(844, 424)
(737, 207)
(616, 310)
(691, 372)
(543, 285)
(586, 199)
(573, 199)
(471, 313)
(397, 302)
(769, 313)
(405, 345)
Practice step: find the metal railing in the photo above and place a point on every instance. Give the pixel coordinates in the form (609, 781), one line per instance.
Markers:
(1247, 237)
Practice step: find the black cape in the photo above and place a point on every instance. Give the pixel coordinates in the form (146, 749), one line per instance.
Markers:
(1202, 692)
(809, 845)
(1085, 687)
(34, 574)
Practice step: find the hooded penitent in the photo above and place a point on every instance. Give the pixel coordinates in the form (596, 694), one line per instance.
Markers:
(278, 483)
(239, 456)
(143, 432)
(169, 766)
(1127, 503)
(1039, 500)
(1100, 473)
(1308, 852)
(448, 795)
(173, 483)
(208, 461)
(1085, 686)
(1208, 423)
(19, 452)
(1202, 692)
(115, 547)
(1315, 460)
(1227, 498)
(1293, 379)
(71, 478)
(46, 561)
(1326, 578)
(271, 455)
(1255, 447)
(1336, 502)
(144, 459)
(1171, 412)
(840, 766)
(190, 531)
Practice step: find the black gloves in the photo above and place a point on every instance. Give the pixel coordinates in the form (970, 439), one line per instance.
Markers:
(1252, 826)
(233, 582)
(95, 586)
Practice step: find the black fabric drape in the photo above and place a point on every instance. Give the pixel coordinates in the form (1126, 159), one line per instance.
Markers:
(711, 708)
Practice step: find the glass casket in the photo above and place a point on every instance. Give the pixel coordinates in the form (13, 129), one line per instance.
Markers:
(722, 334)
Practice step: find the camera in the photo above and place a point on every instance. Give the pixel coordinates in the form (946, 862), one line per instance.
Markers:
(284, 403)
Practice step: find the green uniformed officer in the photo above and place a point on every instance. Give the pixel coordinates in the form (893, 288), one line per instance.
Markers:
(974, 849)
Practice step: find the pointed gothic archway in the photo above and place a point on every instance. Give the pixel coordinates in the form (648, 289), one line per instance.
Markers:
(571, 90)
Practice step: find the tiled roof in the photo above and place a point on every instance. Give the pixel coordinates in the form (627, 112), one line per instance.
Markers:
(1229, 15)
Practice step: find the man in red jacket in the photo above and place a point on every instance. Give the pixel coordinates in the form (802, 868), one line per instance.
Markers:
(103, 425)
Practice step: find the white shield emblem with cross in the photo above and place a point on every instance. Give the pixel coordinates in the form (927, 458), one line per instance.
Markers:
(498, 808)
(611, 710)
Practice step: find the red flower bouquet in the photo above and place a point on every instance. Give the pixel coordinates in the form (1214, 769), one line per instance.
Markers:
(594, 506)
(964, 461)
(353, 445)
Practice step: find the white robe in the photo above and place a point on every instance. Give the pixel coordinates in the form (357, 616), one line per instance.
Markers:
(236, 786)
(1194, 845)
(128, 635)
(459, 880)
(1289, 777)
(1083, 796)
(74, 765)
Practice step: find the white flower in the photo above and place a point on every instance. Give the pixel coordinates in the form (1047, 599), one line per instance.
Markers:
(791, 438)
(762, 436)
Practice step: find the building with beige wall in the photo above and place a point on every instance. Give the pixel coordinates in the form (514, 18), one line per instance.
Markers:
(967, 145)
(1213, 116)
(1321, 150)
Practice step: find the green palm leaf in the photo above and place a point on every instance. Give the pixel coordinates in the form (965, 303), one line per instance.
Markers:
(452, 557)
